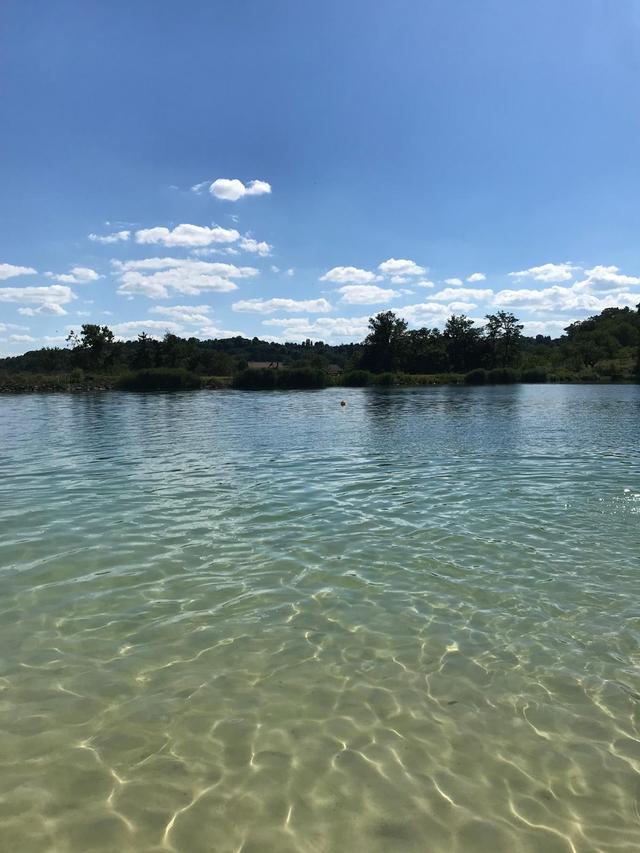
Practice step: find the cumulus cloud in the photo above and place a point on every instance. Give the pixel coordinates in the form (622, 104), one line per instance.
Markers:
(231, 189)
(270, 306)
(155, 328)
(21, 339)
(191, 315)
(158, 277)
(115, 237)
(335, 329)
(432, 314)
(40, 300)
(553, 328)
(547, 272)
(248, 244)
(454, 282)
(212, 331)
(463, 293)
(576, 298)
(475, 277)
(349, 275)
(11, 270)
(189, 236)
(78, 275)
(401, 267)
(424, 283)
(366, 294)
(608, 278)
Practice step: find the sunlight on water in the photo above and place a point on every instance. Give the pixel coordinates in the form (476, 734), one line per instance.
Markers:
(263, 622)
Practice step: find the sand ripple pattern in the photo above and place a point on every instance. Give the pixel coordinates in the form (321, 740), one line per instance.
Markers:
(260, 623)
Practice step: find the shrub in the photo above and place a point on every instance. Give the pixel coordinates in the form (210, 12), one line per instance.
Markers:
(386, 379)
(476, 377)
(263, 379)
(534, 374)
(160, 379)
(268, 379)
(588, 375)
(301, 377)
(357, 378)
(502, 376)
(77, 375)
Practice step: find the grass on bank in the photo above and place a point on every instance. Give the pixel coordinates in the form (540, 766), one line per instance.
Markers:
(163, 379)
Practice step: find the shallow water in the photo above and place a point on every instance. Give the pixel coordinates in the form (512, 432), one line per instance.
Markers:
(262, 622)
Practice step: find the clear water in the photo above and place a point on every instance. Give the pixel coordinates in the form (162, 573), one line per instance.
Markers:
(263, 622)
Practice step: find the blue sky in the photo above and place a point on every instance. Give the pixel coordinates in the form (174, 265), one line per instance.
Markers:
(424, 156)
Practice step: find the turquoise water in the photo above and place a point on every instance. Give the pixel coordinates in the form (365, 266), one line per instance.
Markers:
(263, 622)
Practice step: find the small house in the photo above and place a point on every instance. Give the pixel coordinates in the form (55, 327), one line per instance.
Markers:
(265, 365)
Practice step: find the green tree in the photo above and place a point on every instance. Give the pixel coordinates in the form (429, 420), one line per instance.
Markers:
(145, 351)
(638, 353)
(503, 333)
(425, 351)
(462, 339)
(93, 348)
(385, 343)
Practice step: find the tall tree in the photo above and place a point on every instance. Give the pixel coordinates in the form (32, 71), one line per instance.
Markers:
(503, 332)
(384, 345)
(93, 347)
(462, 339)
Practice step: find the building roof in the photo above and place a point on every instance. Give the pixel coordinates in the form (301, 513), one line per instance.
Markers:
(260, 365)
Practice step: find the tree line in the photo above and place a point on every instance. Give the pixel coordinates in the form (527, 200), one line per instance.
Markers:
(605, 346)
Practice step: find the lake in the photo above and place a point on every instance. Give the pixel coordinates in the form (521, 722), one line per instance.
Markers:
(263, 622)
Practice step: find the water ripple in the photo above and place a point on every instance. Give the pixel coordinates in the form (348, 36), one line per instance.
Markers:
(262, 622)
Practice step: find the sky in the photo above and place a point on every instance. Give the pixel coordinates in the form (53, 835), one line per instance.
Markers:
(287, 169)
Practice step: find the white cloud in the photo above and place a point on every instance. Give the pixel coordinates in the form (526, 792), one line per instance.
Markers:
(78, 275)
(269, 306)
(608, 278)
(336, 329)
(454, 282)
(463, 293)
(553, 328)
(187, 235)
(350, 275)
(366, 294)
(21, 338)
(233, 189)
(194, 315)
(5, 327)
(198, 188)
(432, 313)
(116, 237)
(214, 332)
(400, 266)
(475, 277)
(290, 272)
(575, 298)
(399, 279)
(250, 245)
(11, 270)
(47, 300)
(424, 283)
(274, 268)
(132, 328)
(547, 272)
(158, 277)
